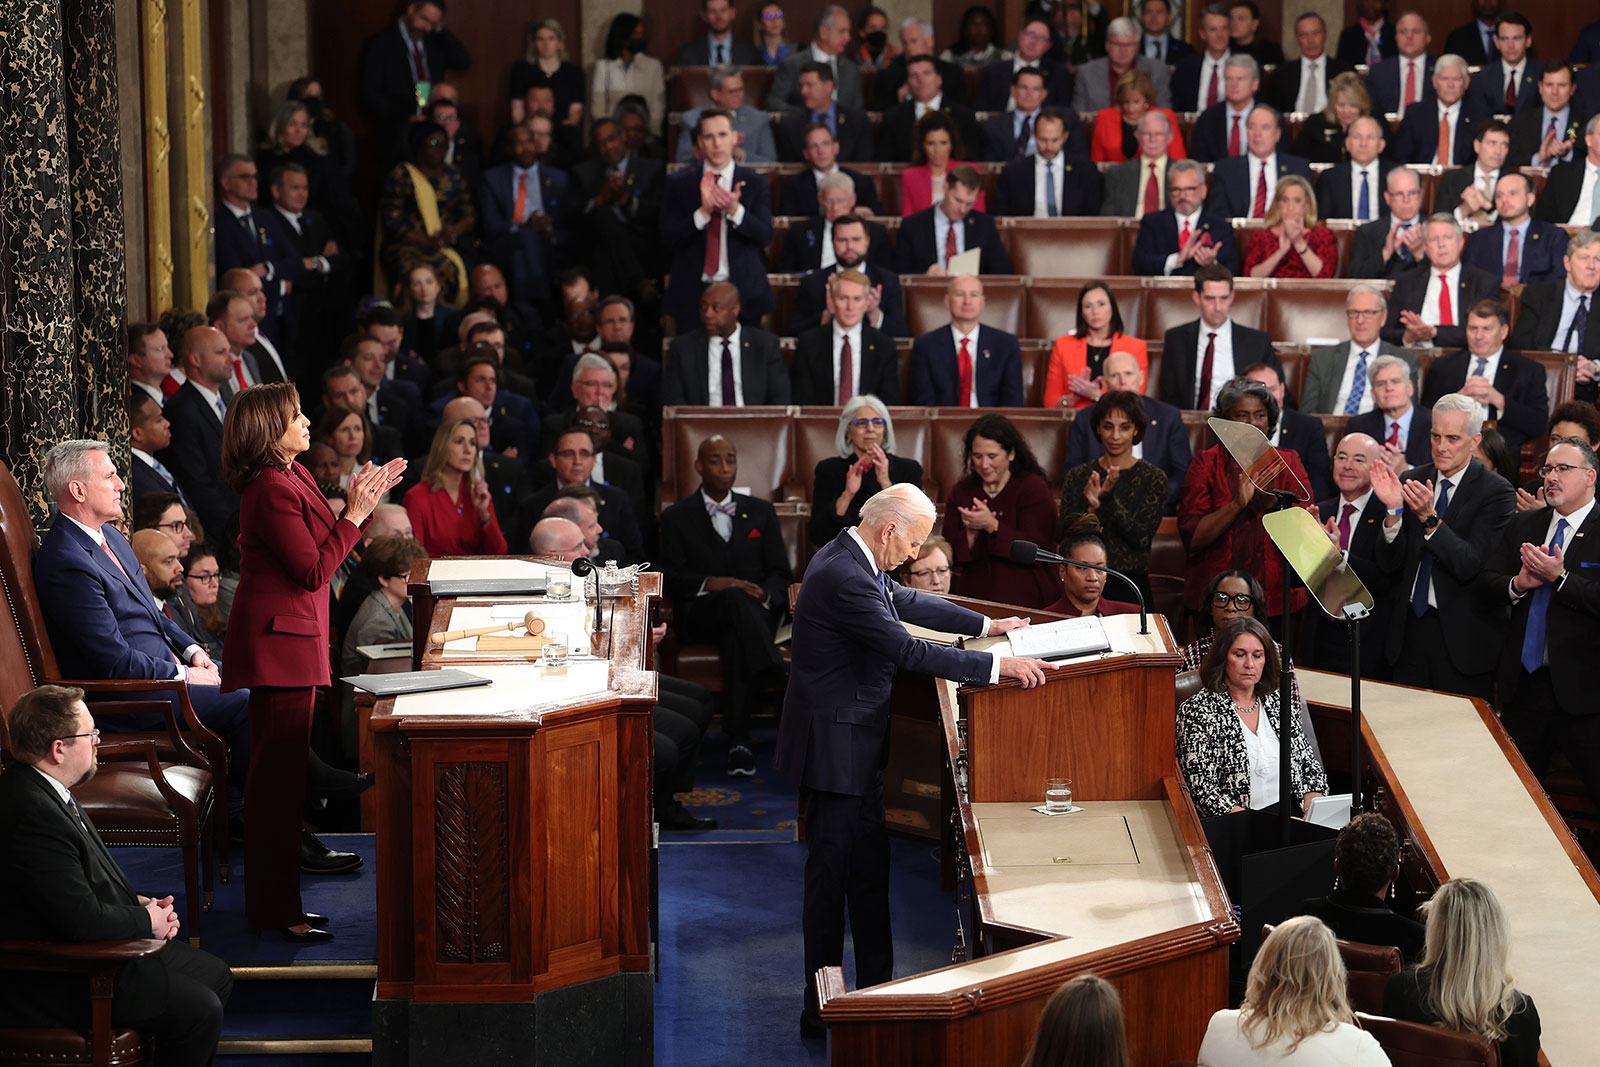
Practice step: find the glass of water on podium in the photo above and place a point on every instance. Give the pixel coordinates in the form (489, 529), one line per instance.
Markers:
(554, 652)
(1057, 796)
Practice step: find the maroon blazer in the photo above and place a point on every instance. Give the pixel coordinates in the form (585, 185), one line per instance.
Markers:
(289, 546)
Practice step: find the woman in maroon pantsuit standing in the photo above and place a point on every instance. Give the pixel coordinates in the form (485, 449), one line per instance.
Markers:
(289, 545)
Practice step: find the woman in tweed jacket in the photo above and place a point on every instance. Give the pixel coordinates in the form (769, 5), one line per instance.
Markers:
(1227, 757)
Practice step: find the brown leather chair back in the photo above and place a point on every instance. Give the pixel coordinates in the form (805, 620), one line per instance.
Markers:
(1367, 970)
(33, 654)
(687, 89)
(1053, 306)
(1200, 435)
(1308, 309)
(814, 430)
(792, 518)
(1169, 562)
(1166, 306)
(763, 435)
(1416, 1045)
(1035, 364)
(1333, 429)
(1295, 360)
(1044, 430)
(1074, 247)
(1004, 298)
(785, 291)
(1188, 685)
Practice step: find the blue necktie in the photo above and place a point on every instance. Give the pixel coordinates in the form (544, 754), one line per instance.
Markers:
(1483, 365)
(718, 60)
(1419, 595)
(1364, 201)
(888, 591)
(1533, 640)
(1051, 207)
(1358, 386)
(1405, 249)
(1579, 327)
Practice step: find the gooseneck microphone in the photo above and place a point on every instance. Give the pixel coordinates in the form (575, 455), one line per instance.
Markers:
(583, 568)
(1026, 552)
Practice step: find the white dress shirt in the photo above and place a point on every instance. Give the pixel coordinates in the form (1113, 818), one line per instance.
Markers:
(1369, 175)
(1053, 170)
(99, 540)
(922, 109)
(1360, 505)
(819, 56)
(1587, 207)
(720, 522)
(956, 337)
(1452, 113)
(212, 398)
(1313, 95)
(839, 334)
(272, 354)
(828, 257)
(1222, 369)
(63, 793)
(1171, 263)
(1491, 366)
(1261, 753)
(1348, 381)
(714, 364)
(152, 391)
(1429, 313)
(702, 220)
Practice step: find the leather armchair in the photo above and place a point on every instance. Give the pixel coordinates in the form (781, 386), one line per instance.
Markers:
(104, 1045)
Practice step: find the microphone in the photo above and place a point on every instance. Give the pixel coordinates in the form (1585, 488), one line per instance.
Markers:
(1026, 552)
(583, 568)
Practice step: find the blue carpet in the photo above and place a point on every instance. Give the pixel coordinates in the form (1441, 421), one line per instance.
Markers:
(764, 802)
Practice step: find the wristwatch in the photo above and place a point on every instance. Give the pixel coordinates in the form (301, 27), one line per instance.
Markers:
(1430, 523)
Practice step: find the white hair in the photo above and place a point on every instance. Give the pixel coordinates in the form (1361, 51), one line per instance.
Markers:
(1383, 363)
(901, 503)
(1243, 62)
(69, 462)
(1450, 59)
(841, 438)
(1365, 289)
(592, 361)
(1472, 409)
(1122, 26)
(921, 24)
(837, 180)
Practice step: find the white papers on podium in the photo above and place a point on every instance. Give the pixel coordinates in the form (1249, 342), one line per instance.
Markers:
(1060, 640)
(964, 263)
(1332, 811)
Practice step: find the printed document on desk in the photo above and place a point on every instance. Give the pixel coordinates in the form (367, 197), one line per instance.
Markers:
(1063, 639)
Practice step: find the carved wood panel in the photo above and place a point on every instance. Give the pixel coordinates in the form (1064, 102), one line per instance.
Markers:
(471, 863)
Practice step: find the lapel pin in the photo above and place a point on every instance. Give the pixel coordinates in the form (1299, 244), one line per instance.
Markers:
(985, 353)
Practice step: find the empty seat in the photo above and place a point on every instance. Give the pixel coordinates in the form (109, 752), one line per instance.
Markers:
(1004, 299)
(785, 290)
(1071, 247)
(764, 437)
(1035, 361)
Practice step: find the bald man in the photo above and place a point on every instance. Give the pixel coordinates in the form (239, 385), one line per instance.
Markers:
(269, 322)
(161, 560)
(196, 412)
(557, 537)
(1353, 517)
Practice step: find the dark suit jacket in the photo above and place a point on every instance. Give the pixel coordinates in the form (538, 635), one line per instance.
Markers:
(1281, 88)
(1541, 257)
(1080, 186)
(1304, 434)
(1540, 319)
(802, 246)
(1328, 641)
(625, 426)
(996, 370)
(1529, 127)
(386, 88)
(746, 245)
(1481, 504)
(994, 85)
(1353, 43)
(1412, 285)
(916, 249)
(1000, 137)
(1561, 191)
(1366, 251)
(1165, 444)
(1334, 200)
(854, 131)
(1588, 94)
(195, 456)
(1418, 443)
(616, 516)
(834, 731)
(785, 91)
(1454, 182)
(1467, 42)
(1175, 49)
(268, 240)
(1326, 371)
(1158, 239)
(146, 480)
(739, 52)
(1570, 620)
(827, 484)
(644, 384)
(766, 380)
(1521, 380)
(1124, 185)
(886, 85)
(1181, 361)
(895, 132)
(1187, 92)
(645, 178)
(1418, 138)
(812, 301)
(1231, 195)
(1386, 82)
(1210, 140)
(519, 251)
(811, 376)
(691, 551)
(1486, 94)
(800, 191)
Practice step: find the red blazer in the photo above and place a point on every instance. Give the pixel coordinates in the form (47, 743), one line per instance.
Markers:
(1070, 356)
(916, 189)
(1106, 146)
(289, 546)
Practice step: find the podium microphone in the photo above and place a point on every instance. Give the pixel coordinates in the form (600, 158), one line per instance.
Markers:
(1026, 552)
(583, 568)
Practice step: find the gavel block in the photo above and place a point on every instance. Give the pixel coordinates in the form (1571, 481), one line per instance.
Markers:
(532, 622)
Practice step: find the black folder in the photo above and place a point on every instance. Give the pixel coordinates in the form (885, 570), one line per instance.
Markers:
(403, 682)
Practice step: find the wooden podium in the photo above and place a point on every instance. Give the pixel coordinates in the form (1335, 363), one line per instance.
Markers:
(514, 832)
(1125, 888)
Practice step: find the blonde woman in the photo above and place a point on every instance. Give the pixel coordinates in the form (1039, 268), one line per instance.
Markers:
(1292, 243)
(1322, 135)
(544, 63)
(1463, 982)
(452, 513)
(1295, 1009)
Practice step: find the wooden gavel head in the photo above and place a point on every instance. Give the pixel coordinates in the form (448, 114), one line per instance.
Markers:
(534, 623)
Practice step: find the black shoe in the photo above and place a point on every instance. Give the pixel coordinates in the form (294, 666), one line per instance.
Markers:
(308, 937)
(811, 1026)
(311, 918)
(741, 761)
(677, 817)
(317, 858)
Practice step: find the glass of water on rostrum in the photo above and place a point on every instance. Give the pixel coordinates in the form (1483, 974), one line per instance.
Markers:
(1057, 796)
(554, 652)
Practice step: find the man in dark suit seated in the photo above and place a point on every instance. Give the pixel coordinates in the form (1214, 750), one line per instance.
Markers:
(1509, 83)
(1245, 27)
(594, 384)
(720, 44)
(966, 364)
(821, 150)
(1402, 77)
(727, 575)
(897, 131)
(1468, 192)
(1011, 134)
(717, 219)
(148, 433)
(1243, 186)
(1349, 190)
(1136, 187)
(850, 126)
(1301, 85)
(1200, 357)
(1544, 569)
(523, 206)
(619, 201)
(996, 81)
(580, 505)
(845, 358)
(723, 364)
(161, 563)
(1564, 199)
(572, 457)
(1547, 135)
(1070, 184)
(1392, 243)
(1510, 384)
(1518, 248)
(1197, 78)
(1296, 430)
(1429, 301)
(1561, 316)
(342, 385)
(1418, 139)
(613, 466)
(929, 238)
(614, 326)
(1166, 442)
(1441, 524)
(885, 302)
(1353, 517)
(1336, 378)
(1219, 132)
(59, 872)
(1184, 237)
(1157, 42)
(398, 65)
(1475, 42)
(196, 412)
(809, 245)
(1403, 429)
(916, 39)
(829, 39)
(478, 376)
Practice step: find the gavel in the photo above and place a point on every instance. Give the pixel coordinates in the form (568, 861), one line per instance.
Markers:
(531, 620)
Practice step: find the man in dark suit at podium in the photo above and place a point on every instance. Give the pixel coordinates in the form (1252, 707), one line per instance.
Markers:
(833, 738)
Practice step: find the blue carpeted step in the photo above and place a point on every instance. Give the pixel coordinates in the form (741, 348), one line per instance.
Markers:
(313, 1059)
(298, 1007)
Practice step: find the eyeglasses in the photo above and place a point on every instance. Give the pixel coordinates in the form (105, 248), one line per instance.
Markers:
(1361, 313)
(932, 572)
(1238, 600)
(1557, 468)
(769, 16)
(206, 579)
(575, 453)
(180, 524)
(869, 424)
(95, 734)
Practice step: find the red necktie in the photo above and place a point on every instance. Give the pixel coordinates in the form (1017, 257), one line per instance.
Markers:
(420, 58)
(964, 364)
(1444, 139)
(1511, 90)
(713, 240)
(1446, 317)
(238, 374)
(1211, 93)
(1259, 208)
(846, 370)
(1394, 436)
(1233, 139)
(1513, 264)
(1183, 235)
(1411, 84)
(1344, 527)
(519, 210)
(167, 611)
(1152, 193)
(1203, 393)
(950, 249)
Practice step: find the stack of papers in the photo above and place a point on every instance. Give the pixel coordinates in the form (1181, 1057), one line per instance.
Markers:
(1060, 640)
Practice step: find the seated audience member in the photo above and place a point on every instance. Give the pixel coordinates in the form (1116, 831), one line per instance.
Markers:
(1197, 77)
(864, 463)
(626, 71)
(1507, 82)
(382, 618)
(1572, 419)
(1083, 579)
(1551, 134)
(728, 576)
(1126, 494)
(77, 893)
(195, 413)
(1244, 18)
(997, 82)
(916, 39)
(580, 505)
(851, 240)
(1429, 304)
(966, 364)
(1219, 132)
(1442, 521)
(164, 512)
(1228, 732)
(507, 476)
(451, 508)
(1305, 85)
(439, 236)
(719, 45)
(1295, 1009)
(903, 135)
(931, 238)
(1047, 182)
(1202, 356)
(1468, 192)
(809, 244)
(1011, 133)
(977, 46)
(149, 432)
(1116, 128)
(752, 132)
(1349, 189)
(846, 357)
(929, 569)
(1493, 453)
(396, 404)
(820, 148)
(594, 384)
(769, 34)
(512, 415)
(1165, 442)
(1332, 136)
(937, 148)
(1560, 316)
(850, 127)
(1517, 247)
(349, 434)
(572, 456)
(612, 465)
(427, 325)
(161, 560)
(1002, 497)
(524, 246)
(1464, 981)
(1297, 431)
(1184, 237)
(1074, 377)
(1440, 127)
(1336, 380)
(1220, 513)
(1096, 80)
(1569, 195)
(1353, 517)
(381, 322)
(1136, 187)
(1510, 384)
(150, 362)
(545, 63)
(1394, 242)
(202, 574)
(1366, 860)
(724, 364)
(349, 586)
(1229, 595)
(1400, 78)
(1241, 186)
(1081, 1024)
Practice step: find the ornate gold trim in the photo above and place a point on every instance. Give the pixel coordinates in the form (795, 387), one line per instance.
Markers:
(157, 154)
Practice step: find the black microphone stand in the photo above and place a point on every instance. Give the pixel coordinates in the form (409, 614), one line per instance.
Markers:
(1285, 499)
(1026, 552)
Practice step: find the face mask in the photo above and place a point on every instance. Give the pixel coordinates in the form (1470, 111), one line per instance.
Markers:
(639, 43)
(877, 39)
(313, 106)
